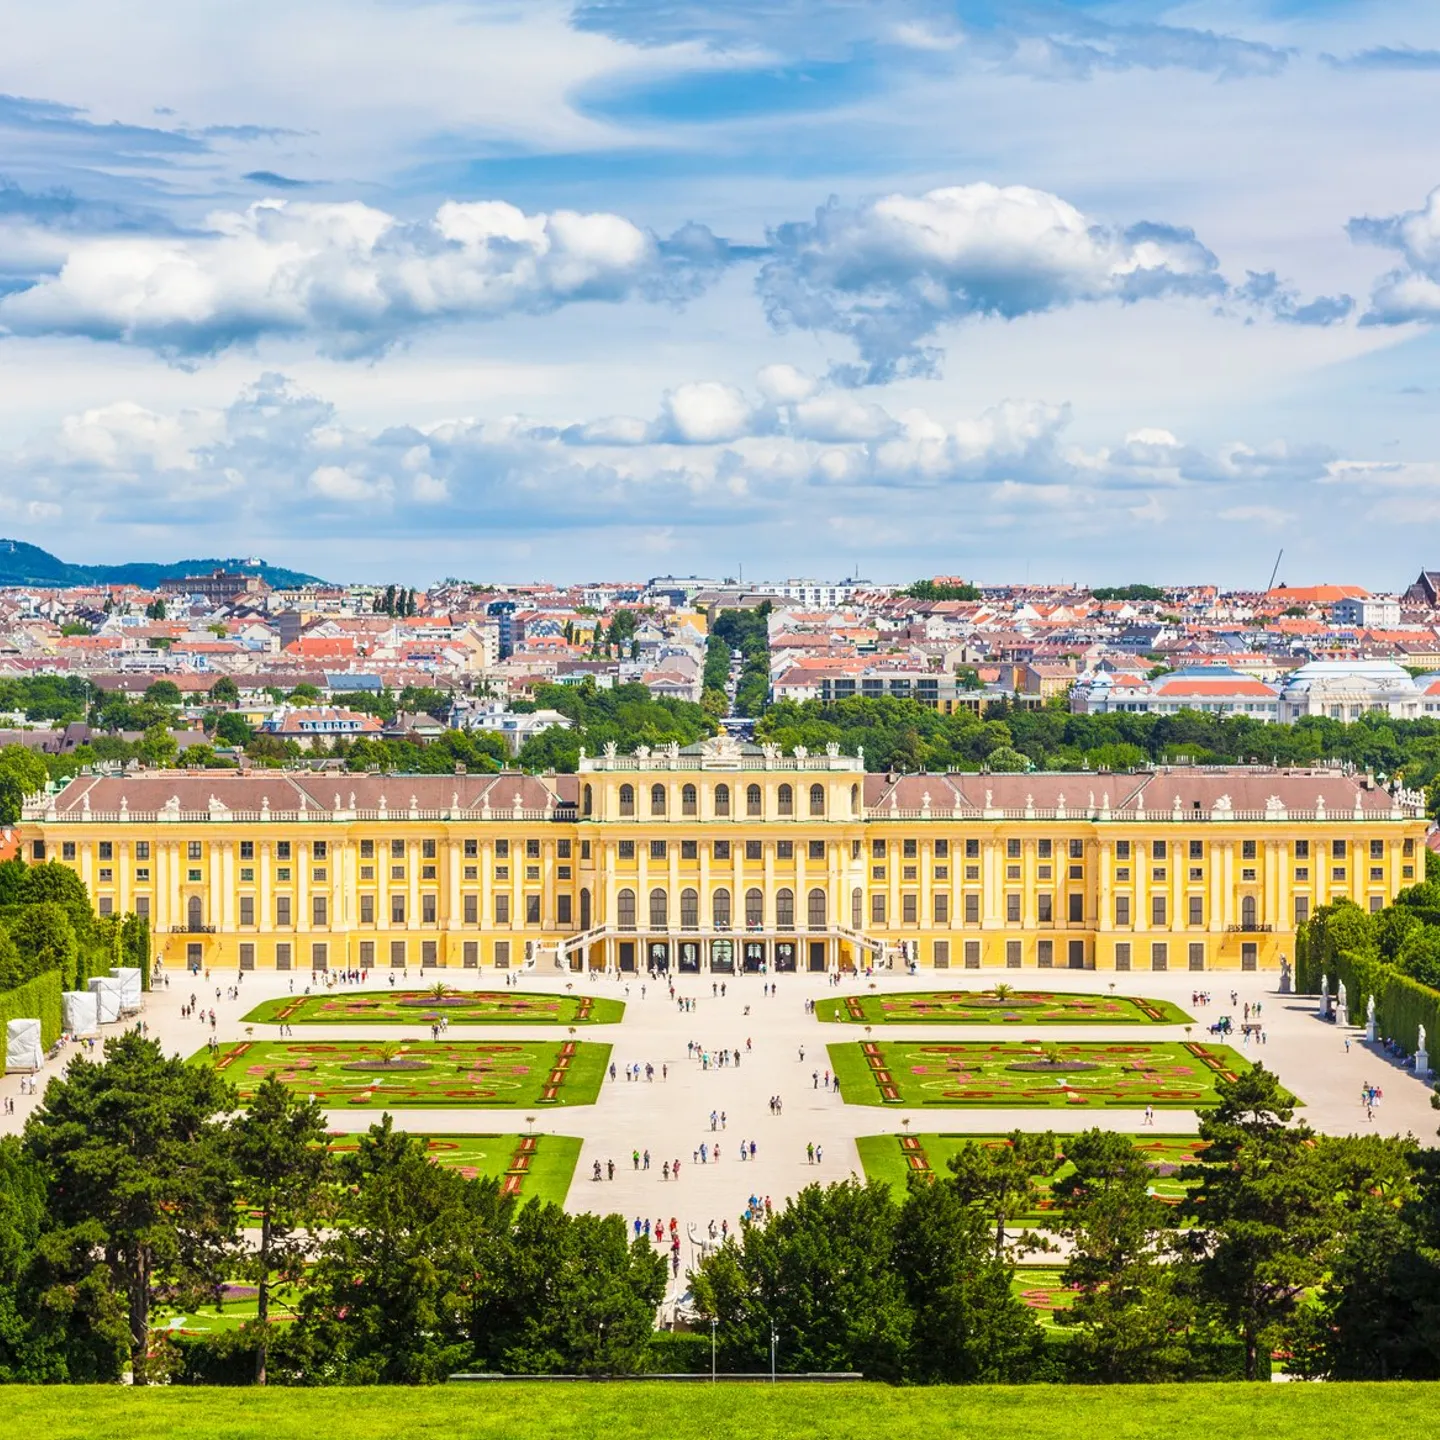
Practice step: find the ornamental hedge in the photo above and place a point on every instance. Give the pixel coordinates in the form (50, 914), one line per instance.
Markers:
(37, 999)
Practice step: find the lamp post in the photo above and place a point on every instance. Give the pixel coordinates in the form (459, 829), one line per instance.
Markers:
(713, 1323)
(774, 1341)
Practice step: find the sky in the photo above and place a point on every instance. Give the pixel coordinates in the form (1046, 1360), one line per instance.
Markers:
(395, 290)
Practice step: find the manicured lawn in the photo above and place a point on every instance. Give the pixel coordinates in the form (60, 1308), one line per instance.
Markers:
(1040, 1288)
(423, 1007)
(758, 1412)
(1090, 1074)
(512, 1073)
(892, 1159)
(535, 1167)
(984, 1007)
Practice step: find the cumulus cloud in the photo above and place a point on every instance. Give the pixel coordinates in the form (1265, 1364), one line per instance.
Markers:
(890, 271)
(1411, 291)
(353, 278)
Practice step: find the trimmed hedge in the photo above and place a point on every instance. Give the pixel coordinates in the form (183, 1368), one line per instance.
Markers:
(37, 999)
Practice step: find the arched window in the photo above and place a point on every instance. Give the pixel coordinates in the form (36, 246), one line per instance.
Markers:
(754, 909)
(752, 800)
(627, 800)
(584, 909)
(722, 799)
(720, 909)
(688, 804)
(195, 912)
(857, 909)
(855, 802)
(625, 909)
(689, 909)
(784, 909)
(786, 799)
(817, 799)
(659, 909)
(587, 801)
(1247, 912)
(816, 906)
(657, 799)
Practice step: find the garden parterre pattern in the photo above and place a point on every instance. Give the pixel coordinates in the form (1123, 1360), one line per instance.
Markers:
(532, 1167)
(892, 1159)
(984, 1007)
(426, 1073)
(424, 1007)
(1084, 1074)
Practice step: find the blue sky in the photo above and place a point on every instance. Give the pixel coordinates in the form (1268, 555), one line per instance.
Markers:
(507, 289)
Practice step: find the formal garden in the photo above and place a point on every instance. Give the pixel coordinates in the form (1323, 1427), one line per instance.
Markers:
(893, 1159)
(439, 1003)
(530, 1167)
(1068, 1075)
(1000, 1005)
(424, 1073)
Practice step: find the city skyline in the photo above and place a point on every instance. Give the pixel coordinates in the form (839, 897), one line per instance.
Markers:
(825, 287)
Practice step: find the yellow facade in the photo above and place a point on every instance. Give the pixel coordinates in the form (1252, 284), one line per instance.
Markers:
(726, 857)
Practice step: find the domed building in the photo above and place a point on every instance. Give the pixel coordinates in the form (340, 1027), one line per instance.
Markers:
(1347, 689)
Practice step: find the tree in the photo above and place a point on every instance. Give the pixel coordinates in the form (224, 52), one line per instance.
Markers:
(1260, 1211)
(132, 1148)
(941, 589)
(45, 940)
(163, 692)
(231, 729)
(281, 1164)
(22, 773)
(968, 1325)
(225, 691)
(1130, 1323)
(158, 748)
(1000, 1178)
(155, 610)
(303, 694)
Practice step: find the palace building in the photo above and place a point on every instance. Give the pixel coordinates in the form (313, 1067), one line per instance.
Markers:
(724, 856)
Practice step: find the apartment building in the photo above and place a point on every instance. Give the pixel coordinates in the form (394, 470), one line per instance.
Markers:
(726, 856)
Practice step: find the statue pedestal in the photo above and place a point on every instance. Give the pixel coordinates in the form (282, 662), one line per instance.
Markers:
(1370, 1030)
(1342, 1017)
(1422, 1064)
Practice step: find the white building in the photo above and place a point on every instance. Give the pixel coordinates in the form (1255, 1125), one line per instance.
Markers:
(1347, 689)
(1367, 612)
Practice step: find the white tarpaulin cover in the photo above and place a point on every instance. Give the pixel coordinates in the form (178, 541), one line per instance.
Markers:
(130, 992)
(80, 1010)
(106, 990)
(23, 1050)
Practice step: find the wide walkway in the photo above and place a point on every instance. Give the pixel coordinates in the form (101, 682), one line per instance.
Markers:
(782, 1052)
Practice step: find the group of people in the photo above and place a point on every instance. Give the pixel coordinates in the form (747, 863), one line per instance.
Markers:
(637, 1068)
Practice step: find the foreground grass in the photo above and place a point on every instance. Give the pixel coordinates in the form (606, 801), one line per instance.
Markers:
(756, 1412)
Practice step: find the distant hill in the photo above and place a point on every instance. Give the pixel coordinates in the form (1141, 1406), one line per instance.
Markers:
(22, 564)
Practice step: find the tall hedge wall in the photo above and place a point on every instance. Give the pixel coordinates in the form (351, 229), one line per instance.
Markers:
(37, 999)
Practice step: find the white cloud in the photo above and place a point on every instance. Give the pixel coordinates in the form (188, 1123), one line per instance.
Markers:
(704, 412)
(1412, 291)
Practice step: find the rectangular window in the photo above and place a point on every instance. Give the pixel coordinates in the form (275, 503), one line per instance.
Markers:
(317, 910)
(367, 954)
(909, 872)
(1377, 850)
(816, 850)
(427, 909)
(722, 849)
(942, 909)
(142, 906)
(107, 850)
(429, 952)
(1377, 904)
(909, 849)
(397, 954)
(282, 956)
(942, 872)
(1337, 849)
(1302, 849)
(397, 849)
(397, 909)
(1122, 849)
(502, 909)
(247, 955)
(1197, 849)
(1377, 872)
(427, 872)
(282, 909)
(627, 850)
(972, 909)
(247, 874)
(562, 910)
(367, 849)
(1045, 909)
(689, 849)
(532, 872)
(194, 849)
(247, 910)
(1077, 849)
(1197, 909)
(1157, 849)
(1076, 872)
(1047, 849)
(472, 849)
(972, 851)
(1157, 909)
(1197, 874)
(193, 876)
(1338, 873)
(106, 875)
(37, 849)
(753, 850)
(106, 905)
(1122, 909)
(367, 909)
(942, 954)
(1302, 872)
(1012, 954)
(142, 875)
(532, 909)
(472, 872)
(562, 849)
(909, 909)
(1247, 849)
(1302, 909)
(320, 849)
(877, 909)
(427, 849)
(282, 849)
(1045, 954)
(502, 849)
(942, 851)
(784, 849)
(1012, 909)
(877, 849)
(1012, 872)
(471, 909)
(972, 954)
(1122, 955)
(1197, 955)
(502, 954)
(584, 849)
(532, 849)
(470, 953)
(1077, 909)
(319, 957)
(1012, 849)
(142, 849)
(1160, 956)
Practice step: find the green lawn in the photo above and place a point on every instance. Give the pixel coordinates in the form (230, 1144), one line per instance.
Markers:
(423, 1007)
(892, 1159)
(762, 1412)
(1040, 1288)
(444, 1074)
(985, 1007)
(535, 1167)
(1086, 1074)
